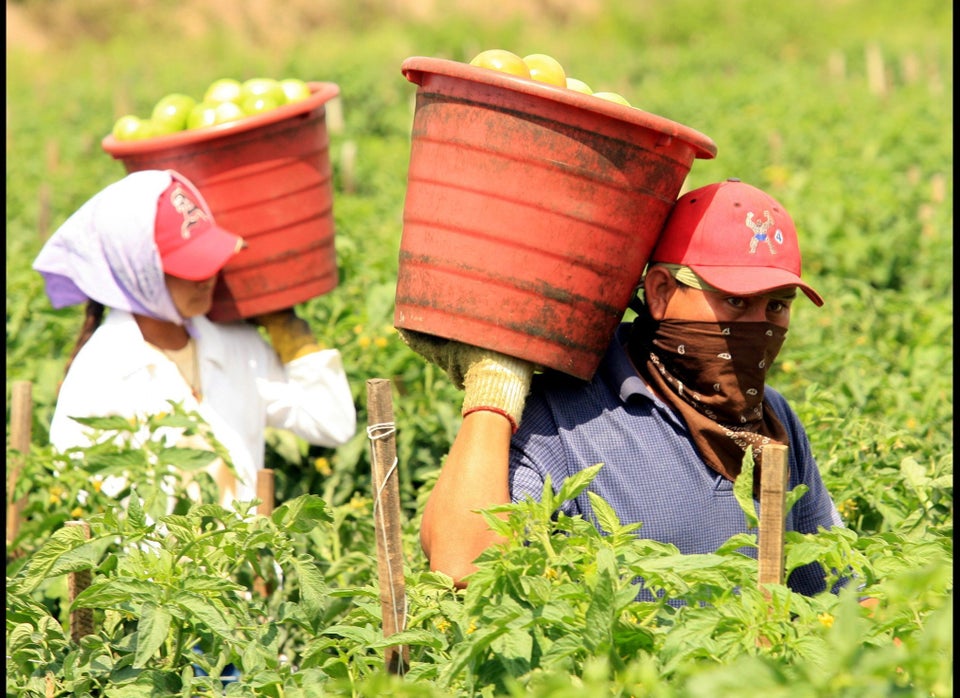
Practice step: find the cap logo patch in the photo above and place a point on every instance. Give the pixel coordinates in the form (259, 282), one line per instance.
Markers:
(186, 207)
(760, 232)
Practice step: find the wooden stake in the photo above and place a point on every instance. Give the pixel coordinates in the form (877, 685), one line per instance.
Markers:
(21, 421)
(386, 512)
(266, 489)
(773, 489)
(81, 619)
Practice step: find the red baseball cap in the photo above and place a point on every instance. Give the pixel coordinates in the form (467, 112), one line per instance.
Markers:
(736, 238)
(191, 245)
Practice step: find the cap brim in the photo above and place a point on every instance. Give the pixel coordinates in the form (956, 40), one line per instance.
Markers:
(750, 281)
(204, 256)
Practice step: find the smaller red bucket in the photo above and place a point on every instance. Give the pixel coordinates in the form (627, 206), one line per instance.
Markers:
(531, 211)
(268, 179)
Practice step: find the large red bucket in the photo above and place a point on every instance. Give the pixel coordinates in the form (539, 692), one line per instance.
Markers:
(267, 178)
(531, 211)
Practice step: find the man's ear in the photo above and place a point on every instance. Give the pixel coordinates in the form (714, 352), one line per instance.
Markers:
(658, 286)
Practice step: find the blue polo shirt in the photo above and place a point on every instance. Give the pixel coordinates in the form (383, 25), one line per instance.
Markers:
(652, 473)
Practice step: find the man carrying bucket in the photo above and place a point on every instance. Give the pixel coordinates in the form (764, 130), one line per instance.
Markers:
(671, 410)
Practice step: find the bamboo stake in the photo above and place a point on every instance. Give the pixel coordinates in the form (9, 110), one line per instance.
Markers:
(81, 619)
(386, 508)
(265, 493)
(773, 489)
(21, 420)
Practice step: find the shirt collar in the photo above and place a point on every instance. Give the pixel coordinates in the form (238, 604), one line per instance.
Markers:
(619, 371)
(209, 342)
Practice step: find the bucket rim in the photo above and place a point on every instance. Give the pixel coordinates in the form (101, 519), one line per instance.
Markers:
(321, 93)
(415, 69)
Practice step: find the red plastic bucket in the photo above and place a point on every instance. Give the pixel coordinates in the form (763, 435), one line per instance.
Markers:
(267, 178)
(530, 212)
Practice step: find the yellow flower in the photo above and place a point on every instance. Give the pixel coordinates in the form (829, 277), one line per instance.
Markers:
(472, 627)
(847, 507)
(97, 483)
(322, 466)
(380, 342)
(443, 625)
(76, 513)
(358, 329)
(550, 573)
(826, 619)
(364, 342)
(358, 502)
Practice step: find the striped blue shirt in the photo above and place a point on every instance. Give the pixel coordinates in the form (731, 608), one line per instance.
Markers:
(652, 473)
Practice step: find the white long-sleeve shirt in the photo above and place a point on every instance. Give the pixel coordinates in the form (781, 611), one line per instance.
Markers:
(245, 389)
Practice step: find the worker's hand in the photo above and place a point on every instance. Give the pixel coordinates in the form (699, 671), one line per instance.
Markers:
(490, 380)
(290, 335)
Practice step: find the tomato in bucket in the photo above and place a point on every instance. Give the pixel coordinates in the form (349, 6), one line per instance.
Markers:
(268, 178)
(531, 211)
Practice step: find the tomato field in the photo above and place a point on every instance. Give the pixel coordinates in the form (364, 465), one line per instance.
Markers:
(842, 109)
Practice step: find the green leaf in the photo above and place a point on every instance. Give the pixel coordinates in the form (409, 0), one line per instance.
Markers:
(109, 423)
(302, 514)
(186, 459)
(577, 483)
(600, 615)
(118, 593)
(743, 490)
(204, 613)
(66, 550)
(606, 516)
(362, 635)
(152, 631)
(149, 683)
(312, 586)
(135, 512)
(794, 495)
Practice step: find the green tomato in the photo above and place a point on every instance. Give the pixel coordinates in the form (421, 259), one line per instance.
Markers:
(170, 112)
(262, 87)
(128, 127)
(614, 97)
(228, 111)
(203, 114)
(579, 86)
(295, 89)
(257, 104)
(222, 90)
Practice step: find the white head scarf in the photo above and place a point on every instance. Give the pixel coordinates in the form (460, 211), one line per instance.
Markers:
(106, 251)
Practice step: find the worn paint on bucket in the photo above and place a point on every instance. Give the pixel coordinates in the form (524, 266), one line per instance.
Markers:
(530, 212)
(268, 179)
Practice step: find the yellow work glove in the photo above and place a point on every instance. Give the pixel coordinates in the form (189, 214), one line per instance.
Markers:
(290, 335)
(490, 380)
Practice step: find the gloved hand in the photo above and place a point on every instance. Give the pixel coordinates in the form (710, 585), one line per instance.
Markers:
(290, 335)
(490, 380)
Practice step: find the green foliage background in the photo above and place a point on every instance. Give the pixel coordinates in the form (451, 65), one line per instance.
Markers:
(842, 109)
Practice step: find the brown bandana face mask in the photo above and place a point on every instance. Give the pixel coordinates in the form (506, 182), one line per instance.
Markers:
(713, 375)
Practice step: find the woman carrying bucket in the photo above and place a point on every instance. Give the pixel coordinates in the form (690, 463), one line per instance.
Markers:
(670, 412)
(147, 250)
